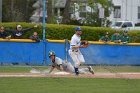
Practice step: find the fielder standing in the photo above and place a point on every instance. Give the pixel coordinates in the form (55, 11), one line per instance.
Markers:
(74, 51)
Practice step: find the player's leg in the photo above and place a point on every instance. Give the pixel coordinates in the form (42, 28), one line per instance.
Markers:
(91, 70)
(70, 67)
(74, 56)
(82, 60)
(76, 63)
(86, 70)
(83, 70)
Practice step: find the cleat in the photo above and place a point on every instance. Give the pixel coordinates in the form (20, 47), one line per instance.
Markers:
(76, 74)
(91, 70)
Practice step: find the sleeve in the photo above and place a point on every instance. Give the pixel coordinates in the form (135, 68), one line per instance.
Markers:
(6, 34)
(121, 37)
(109, 39)
(112, 38)
(31, 37)
(101, 38)
(59, 61)
(8, 30)
(36, 39)
(28, 29)
(128, 39)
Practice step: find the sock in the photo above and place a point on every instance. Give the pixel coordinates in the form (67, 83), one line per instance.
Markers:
(76, 71)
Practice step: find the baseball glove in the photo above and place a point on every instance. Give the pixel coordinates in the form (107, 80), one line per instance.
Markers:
(84, 42)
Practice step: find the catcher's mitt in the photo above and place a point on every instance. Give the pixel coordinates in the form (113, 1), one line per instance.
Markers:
(84, 42)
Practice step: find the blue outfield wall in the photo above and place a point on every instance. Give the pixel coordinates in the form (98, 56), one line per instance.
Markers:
(33, 53)
(112, 54)
(21, 52)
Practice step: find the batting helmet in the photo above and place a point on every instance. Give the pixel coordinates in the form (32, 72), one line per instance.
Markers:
(51, 53)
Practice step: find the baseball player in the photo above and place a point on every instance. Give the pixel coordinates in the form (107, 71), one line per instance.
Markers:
(65, 66)
(74, 51)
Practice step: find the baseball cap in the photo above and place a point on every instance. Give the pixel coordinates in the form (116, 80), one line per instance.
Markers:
(106, 33)
(19, 26)
(77, 29)
(125, 31)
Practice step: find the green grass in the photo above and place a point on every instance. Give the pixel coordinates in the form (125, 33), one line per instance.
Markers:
(111, 69)
(68, 85)
(17, 69)
(117, 68)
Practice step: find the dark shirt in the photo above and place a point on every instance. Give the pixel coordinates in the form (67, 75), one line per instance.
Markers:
(105, 39)
(37, 39)
(115, 38)
(19, 34)
(125, 38)
(3, 34)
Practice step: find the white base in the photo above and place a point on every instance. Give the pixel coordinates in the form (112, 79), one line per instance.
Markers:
(61, 73)
(34, 71)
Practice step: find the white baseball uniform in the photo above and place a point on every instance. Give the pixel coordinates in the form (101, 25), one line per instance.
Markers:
(75, 54)
(67, 66)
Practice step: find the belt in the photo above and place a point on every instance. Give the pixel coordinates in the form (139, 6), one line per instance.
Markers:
(74, 50)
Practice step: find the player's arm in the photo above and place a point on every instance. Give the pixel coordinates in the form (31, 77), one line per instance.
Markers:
(29, 29)
(101, 39)
(112, 38)
(82, 46)
(9, 30)
(59, 64)
(52, 68)
(61, 68)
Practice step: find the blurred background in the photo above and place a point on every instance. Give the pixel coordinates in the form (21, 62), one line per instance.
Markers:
(74, 12)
